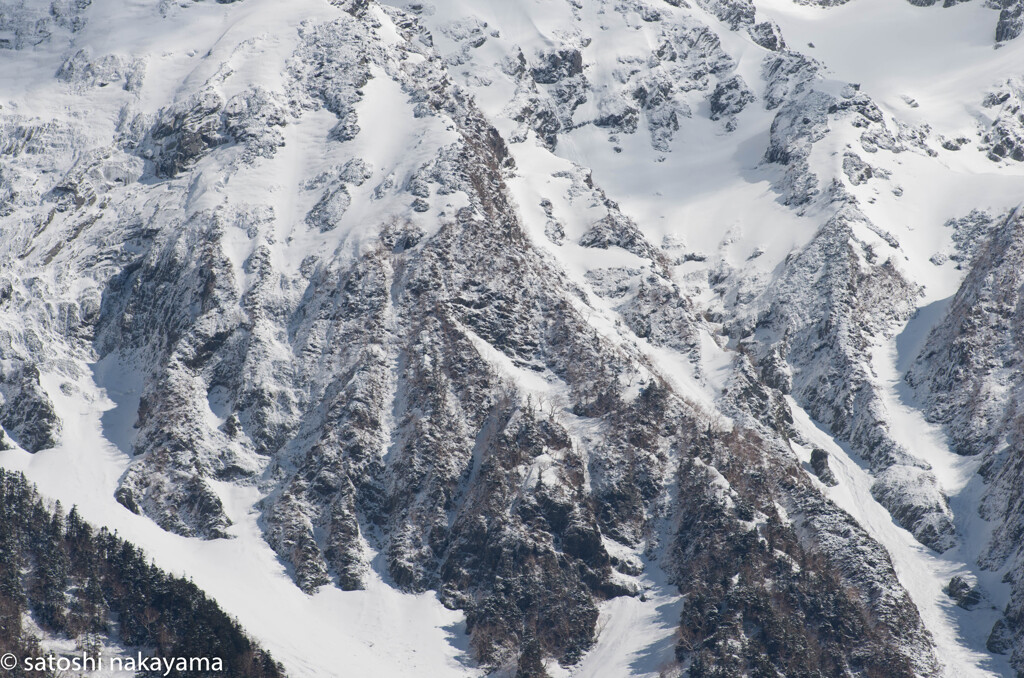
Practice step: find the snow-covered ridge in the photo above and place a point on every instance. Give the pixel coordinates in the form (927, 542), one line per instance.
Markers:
(501, 300)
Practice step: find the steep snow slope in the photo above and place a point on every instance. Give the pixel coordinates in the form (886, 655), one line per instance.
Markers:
(502, 300)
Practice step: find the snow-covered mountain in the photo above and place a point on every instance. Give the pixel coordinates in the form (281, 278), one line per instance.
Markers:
(532, 337)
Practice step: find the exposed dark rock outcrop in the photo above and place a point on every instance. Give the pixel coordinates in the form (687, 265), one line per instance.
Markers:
(963, 592)
(819, 462)
(1003, 137)
(1011, 19)
(26, 412)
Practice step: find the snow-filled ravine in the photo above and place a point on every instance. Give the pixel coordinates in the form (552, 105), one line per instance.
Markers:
(924, 573)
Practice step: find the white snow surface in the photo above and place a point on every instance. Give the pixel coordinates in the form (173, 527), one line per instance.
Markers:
(635, 636)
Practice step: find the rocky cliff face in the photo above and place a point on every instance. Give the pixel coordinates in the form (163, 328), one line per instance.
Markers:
(440, 288)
